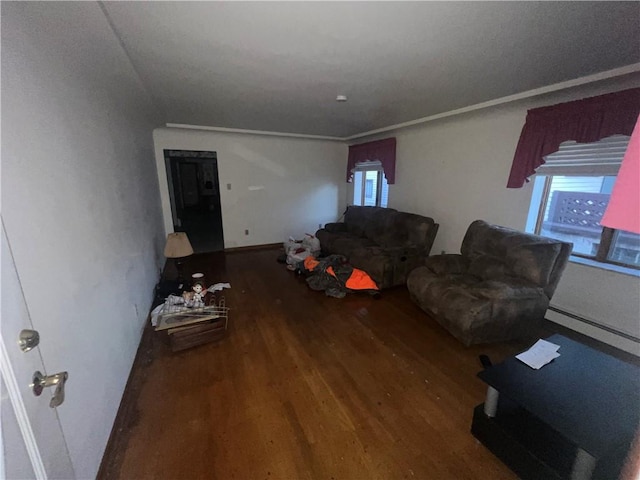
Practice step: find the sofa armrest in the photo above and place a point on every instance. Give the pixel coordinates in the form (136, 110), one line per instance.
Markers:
(336, 227)
(449, 263)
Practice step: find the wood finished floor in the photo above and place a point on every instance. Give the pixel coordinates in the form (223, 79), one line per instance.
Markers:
(304, 387)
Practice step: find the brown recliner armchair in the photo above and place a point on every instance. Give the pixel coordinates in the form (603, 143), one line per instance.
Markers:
(497, 289)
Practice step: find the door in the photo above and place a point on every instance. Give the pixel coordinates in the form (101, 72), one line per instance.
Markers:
(32, 442)
(194, 189)
(189, 184)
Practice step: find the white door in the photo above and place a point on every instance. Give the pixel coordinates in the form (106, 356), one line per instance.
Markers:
(32, 443)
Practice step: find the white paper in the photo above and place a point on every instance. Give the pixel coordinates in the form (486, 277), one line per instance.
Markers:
(541, 353)
(218, 286)
(155, 313)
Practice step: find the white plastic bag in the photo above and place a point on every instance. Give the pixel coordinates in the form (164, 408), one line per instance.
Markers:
(291, 244)
(294, 258)
(312, 243)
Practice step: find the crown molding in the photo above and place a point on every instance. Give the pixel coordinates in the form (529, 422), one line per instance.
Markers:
(596, 77)
(254, 132)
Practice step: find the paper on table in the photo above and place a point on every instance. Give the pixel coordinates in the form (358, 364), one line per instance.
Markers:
(541, 353)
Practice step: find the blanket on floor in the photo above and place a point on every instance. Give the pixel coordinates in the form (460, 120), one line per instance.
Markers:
(336, 277)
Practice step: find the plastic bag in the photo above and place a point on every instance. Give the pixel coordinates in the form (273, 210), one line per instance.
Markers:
(298, 255)
(291, 244)
(312, 243)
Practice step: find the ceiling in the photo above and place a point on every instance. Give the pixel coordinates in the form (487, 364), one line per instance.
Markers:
(279, 66)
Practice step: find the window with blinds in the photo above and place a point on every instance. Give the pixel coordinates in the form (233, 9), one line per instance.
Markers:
(571, 193)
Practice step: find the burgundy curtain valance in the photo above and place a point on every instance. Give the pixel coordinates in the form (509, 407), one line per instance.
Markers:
(583, 121)
(382, 150)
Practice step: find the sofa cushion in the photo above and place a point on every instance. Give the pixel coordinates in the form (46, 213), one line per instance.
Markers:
(335, 227)
(328, 239)
(357, 218)
(346, 245)
(407, 230)
(379, 227)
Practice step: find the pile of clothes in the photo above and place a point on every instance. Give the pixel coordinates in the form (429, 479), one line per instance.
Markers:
(336, 277)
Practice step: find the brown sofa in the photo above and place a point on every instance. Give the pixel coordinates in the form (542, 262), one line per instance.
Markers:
(497, 289)
(383, 242)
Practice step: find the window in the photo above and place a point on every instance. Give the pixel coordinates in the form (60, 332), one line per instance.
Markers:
(570, 195)
(370, 188)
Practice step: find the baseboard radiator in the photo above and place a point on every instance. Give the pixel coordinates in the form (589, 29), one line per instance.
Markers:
(606, 328)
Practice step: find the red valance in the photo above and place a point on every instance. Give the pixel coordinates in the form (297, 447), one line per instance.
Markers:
(584, 121)
(382, 150)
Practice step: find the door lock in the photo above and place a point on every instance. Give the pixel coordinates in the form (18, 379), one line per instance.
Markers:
(40, 382)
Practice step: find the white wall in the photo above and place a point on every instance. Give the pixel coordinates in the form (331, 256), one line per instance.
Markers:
(280, 186)
(80, 204)
(455, 170)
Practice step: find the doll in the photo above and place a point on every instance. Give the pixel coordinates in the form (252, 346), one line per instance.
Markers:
(198, 294)
(195, 298)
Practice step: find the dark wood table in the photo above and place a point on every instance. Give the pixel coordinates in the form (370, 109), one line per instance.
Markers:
(574, 418)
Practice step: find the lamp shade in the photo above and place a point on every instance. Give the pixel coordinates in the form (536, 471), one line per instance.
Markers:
(623, 211)
(178, 245)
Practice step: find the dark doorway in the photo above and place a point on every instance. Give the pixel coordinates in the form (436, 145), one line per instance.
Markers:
(194, 190)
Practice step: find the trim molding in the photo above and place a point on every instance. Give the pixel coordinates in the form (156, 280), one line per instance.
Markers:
(20, 411)
(606, 328)
(596, 77)
(616, 72)
(264, 246)
(254, 132)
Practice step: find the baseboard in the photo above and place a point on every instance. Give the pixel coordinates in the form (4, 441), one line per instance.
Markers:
(118, 438)
(265, 246)
(593, 329)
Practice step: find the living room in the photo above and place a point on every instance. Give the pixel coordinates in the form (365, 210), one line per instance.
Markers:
(86, 199)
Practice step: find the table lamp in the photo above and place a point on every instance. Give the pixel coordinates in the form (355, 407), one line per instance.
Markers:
(178, 247)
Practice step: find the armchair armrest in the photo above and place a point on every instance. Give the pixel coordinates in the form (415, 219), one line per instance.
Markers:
(447, 264)
(336, 227)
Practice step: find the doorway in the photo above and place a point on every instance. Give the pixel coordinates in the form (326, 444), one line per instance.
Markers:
(194, 191)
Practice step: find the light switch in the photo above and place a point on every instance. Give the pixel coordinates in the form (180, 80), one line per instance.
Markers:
(228, 186)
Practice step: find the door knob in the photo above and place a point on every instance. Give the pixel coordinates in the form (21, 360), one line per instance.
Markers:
(40, 382)
(28, 340)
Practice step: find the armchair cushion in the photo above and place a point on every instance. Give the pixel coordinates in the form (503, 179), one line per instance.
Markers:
(488, 267)
(447, 264)
(534, 262)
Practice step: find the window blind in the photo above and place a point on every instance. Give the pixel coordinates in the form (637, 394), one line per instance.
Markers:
(371, 165)
(598, 158)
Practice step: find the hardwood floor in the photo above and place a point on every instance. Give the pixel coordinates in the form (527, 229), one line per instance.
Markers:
(304, 387)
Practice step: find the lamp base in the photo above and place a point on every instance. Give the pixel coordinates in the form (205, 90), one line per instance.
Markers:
(168, 287)
(179, 267)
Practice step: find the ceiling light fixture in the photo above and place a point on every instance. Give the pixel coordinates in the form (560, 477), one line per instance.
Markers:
(341, 98)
